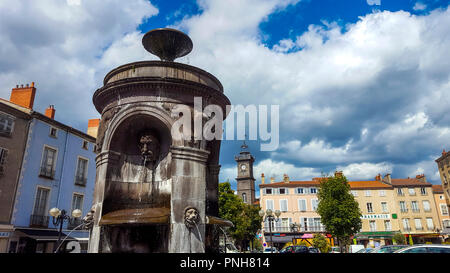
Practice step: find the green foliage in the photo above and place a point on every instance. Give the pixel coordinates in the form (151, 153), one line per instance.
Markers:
(338, 209)
(399, 239)
(245, 217)
(320, 242)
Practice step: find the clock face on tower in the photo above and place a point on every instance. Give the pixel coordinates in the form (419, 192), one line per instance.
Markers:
(243, 167)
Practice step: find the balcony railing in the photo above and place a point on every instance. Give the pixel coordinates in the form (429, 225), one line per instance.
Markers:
(416, 210)
(404, 210)
(39, 221)
(47, 172)
(419, 228)
(407, 228)
(314, 228)
(80, 180)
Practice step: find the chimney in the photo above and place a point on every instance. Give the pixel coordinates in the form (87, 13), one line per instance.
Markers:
(50, 112)
(262, 178)
(378, 177)
(421, 177)
(387, 179)
(272, 180)
(338, 173)
(285, 178)
(443, 152)
(93, 127)
(23, 96)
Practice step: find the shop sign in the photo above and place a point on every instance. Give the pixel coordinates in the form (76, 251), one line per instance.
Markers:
(376, 216)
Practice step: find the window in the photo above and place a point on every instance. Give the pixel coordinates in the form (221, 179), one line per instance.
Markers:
(48, 162)
(268, 191)
(77, 201)
(313, 190)
(355, 193)
(81, 175)
(283, 205)
(39, 218)
(369, 208)
(85, 145)
(269, 204)
(403, 206)
(446, 223)
(314, 204)
(399, 191)
(300, 190)
(53, 131)
(373, 225)
(414, 206)
(283, 191)
(426, 205)
(406, 225)
(411, 191)
(384, 207)
(6, 124)
(444, 209)
(387, 225)
(445, 180)
(430, 224)
(244, 197)
(367, 193)
(418, 223)
(301, 204)
(3, 155)
(382, 193)
(423, 191)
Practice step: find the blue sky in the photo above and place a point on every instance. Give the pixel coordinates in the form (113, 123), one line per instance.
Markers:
(362, 84)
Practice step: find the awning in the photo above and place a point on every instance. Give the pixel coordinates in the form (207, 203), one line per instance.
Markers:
(307, 236)
(43, 234)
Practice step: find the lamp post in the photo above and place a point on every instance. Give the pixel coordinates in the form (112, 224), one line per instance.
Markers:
(268, 215)
(294, 229)
(59, 216)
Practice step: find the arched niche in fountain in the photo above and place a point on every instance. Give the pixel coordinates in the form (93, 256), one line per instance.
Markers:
(139, 177)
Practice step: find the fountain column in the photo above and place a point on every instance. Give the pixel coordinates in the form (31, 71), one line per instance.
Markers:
(188, 191)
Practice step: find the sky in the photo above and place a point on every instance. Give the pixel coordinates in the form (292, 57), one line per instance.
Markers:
(363, 86)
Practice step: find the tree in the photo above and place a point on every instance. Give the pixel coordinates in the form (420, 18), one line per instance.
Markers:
(338, 209)
(399, 239)
(245, 217)
(320, 242)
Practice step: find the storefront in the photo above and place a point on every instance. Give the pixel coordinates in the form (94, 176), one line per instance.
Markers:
(374, 239)
(36, 241)
(5, 235)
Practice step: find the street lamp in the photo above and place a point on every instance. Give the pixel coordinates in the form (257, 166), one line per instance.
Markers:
(294, 229)
(59, 216)
(269, 217)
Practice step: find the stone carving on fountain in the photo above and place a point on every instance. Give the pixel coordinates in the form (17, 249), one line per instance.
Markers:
(151, 188)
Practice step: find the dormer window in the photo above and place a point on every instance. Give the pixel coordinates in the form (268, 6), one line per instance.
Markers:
(6, 124)
(283, 191)
(85, 144)
(268, 191)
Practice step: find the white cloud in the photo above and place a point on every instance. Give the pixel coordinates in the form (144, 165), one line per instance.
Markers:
(365, 171)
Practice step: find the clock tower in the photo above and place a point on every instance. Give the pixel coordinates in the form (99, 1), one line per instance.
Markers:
(245, 180)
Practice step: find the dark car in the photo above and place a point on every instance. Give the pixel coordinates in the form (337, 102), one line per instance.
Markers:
(295, 249)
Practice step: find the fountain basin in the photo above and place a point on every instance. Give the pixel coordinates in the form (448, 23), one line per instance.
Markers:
(136, 216)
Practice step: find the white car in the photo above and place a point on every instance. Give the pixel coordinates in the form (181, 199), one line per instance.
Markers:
(425, 249)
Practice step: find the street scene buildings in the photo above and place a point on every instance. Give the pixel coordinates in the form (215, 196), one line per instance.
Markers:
(44, 164)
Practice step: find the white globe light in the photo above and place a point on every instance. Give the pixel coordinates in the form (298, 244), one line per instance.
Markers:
(76, 213)
(55, 212)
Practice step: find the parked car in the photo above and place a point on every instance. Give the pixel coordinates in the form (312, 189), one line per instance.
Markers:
(335, 249)
(313, 250)
(388, 249)
(267, 250)
(425, 249)
(355, 248)
(295, 249)
(365, 250)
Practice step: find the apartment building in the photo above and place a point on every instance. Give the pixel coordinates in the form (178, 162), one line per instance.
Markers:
(416, 208)
(297, 201)
(377, 205)
(443, 163)
(53, 165)
(442, 210)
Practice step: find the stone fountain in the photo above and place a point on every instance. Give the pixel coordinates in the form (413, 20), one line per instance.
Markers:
(155, 192)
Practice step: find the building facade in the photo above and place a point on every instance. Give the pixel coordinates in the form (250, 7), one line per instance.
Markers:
(388, 206)
(57, 170)
(442, 210)
(443, 163)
